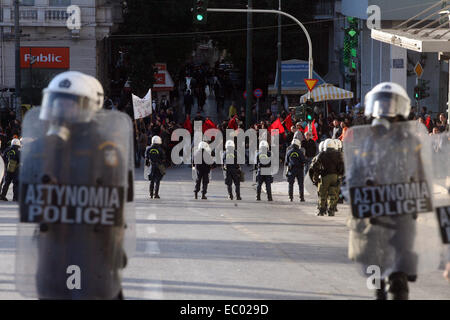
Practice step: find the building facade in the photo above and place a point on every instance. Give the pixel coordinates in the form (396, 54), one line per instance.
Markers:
(376, 61)
(51, 44)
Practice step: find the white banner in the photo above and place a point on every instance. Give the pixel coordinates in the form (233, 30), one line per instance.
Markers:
(142, 107)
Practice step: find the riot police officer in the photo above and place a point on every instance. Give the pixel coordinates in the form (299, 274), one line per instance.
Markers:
(232, 170)
(79, 156)
(263, 160)
(390, 153)
(330, 167)
(295, 162)
(155, 158)
(12, 156)
(202, 169)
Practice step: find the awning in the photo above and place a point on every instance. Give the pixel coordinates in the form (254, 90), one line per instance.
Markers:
(327, 92)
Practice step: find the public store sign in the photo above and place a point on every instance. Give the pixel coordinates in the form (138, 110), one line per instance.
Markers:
(45, 58)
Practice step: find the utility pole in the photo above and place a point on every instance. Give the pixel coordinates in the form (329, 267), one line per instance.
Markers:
(279, 61)
(17, 58)
(249, 86)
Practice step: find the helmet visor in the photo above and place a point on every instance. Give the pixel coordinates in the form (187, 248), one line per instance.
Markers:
(386, 105)
(66, 108)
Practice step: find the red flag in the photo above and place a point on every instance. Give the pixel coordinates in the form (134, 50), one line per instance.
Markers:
(187, 124)
(313, 130)
(208, 125)
(288, 122)
(232, 124)
(428, 122)
(276, 125)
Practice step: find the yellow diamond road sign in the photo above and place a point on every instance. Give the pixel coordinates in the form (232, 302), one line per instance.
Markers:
(418, 69)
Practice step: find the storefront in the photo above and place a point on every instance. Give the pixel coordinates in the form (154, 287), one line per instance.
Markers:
(38, 66)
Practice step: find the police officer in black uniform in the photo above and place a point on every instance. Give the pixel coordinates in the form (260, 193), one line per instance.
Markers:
(232, 170)
(263, 160)
(82, 156)
(295, 162)
(202, 169)
(12, 157)
(155, 158)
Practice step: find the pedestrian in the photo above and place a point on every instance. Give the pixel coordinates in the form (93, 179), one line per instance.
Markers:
(12, 157)
(330, 167)
(155, 159)
(232, 170)
(263, 163)
(202, 169)
(310, 147)
(299, 133)
(188, 102)
(295, 162)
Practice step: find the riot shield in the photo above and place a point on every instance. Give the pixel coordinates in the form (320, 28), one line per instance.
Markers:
(75, 203)
(146, 168)
(388, 177)
(310, 187)
(2, 168)
(441, 187)
(194, 173)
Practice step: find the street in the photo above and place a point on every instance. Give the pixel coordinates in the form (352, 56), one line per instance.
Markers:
(222, 249)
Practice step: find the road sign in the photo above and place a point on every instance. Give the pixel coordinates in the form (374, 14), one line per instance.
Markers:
(311, 83)
(418, 70)
(245, 94)
(258, 93)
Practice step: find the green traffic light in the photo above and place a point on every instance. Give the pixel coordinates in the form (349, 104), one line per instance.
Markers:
(199, 17)
(309, 117)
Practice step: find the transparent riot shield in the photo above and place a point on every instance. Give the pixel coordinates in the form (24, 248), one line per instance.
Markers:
(441, 188)
(2, 168)
(310, 188)
(389, 179)
(194, 173)
(146, 168)
(76, 191)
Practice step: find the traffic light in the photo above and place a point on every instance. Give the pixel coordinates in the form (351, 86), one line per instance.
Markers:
(421, 90)
(350, 52)
(199, 11)
(309, 111)
(300, 112)
(417, 93)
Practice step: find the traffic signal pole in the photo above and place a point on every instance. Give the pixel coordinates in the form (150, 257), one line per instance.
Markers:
(17, 61)
(249, 85)
(279, 12)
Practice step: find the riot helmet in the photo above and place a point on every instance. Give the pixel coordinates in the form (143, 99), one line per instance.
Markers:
(204, 145)
(156, 140)
(229, 144)
(330, 144)
(321, 146)
(296, 142)
(71, 97)
(15, 142)
(263, 145)
(387, 100)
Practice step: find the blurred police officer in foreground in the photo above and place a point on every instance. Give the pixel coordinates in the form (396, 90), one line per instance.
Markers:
(12, 156)
(232, 170)
(295, 162)
(76, 194)
(202, 169)
(382, 160)
(263, 160)
(155, 159)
